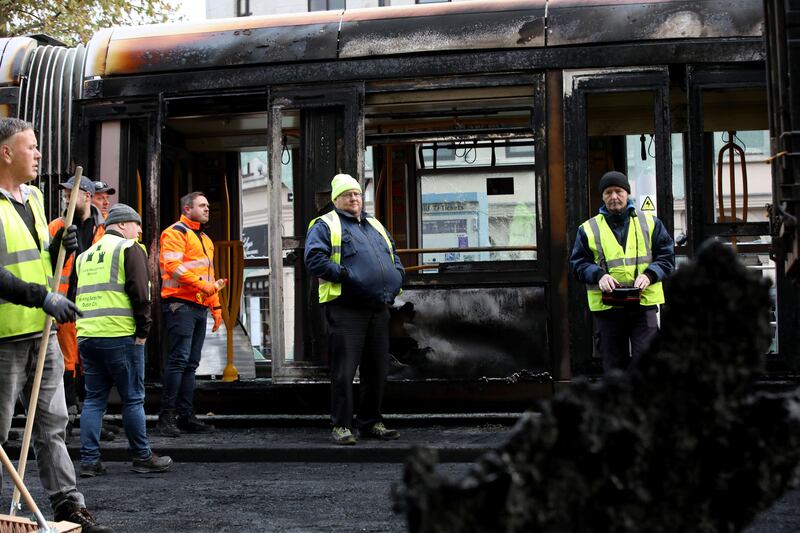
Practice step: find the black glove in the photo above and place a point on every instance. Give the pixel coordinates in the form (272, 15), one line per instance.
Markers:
(69, 239)
(60, 307)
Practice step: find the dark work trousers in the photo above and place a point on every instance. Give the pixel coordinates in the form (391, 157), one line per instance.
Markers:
(623, 335)
(358, 337)
(185, 325)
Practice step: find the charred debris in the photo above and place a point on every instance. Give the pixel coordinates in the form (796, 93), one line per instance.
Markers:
(684, 442)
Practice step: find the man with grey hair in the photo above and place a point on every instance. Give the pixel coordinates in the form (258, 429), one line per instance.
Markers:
(25, 250)
(188, 291)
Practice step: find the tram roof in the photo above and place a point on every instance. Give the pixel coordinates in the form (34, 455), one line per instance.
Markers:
(400, 30)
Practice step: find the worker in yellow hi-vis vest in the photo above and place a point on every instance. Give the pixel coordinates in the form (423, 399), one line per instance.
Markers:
(25, 252)
(360, 274)
(114, 296)
(622, 255)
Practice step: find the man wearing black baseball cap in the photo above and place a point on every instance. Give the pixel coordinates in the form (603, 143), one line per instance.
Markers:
(101, 200)
(622, 256)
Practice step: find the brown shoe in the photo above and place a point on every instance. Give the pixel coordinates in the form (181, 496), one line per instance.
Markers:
(152, 464)
(71, 512)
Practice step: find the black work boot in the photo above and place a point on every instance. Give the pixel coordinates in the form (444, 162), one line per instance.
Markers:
(192, 424)
(72, 512)
(166, 425)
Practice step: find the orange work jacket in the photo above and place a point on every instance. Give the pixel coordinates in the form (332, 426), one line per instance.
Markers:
(187, 264)
(69, 262)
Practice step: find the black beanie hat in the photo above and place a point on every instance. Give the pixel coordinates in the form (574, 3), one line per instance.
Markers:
(614, 178)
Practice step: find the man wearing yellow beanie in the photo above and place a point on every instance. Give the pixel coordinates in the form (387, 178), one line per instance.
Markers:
(360, 274)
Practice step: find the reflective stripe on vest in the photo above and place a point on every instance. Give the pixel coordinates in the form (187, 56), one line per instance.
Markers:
(626, 264)
(101, 296)
(329, 290)
(20, 256)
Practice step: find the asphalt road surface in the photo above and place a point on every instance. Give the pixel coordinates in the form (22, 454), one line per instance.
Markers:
(276, 497)
(252, 497)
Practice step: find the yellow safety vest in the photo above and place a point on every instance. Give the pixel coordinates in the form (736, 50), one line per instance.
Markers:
(20, 256)
(328, 290)
(624, 265)
(101, 296)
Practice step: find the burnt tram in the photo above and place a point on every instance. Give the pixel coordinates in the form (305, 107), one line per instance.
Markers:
(479, 131)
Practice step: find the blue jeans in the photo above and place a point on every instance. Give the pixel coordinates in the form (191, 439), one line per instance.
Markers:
(108, 362)
(185, 326)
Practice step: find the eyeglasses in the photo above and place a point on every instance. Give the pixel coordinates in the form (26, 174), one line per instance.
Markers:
(350, 195)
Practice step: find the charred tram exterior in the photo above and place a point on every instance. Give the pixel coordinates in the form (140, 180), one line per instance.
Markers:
(479, 131)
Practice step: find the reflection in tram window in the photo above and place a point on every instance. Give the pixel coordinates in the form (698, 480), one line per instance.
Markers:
(454, 175)
(478, 208)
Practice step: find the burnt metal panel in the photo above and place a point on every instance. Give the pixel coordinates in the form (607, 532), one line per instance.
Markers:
(14, 54)
(698, 51)
(223, 43)
(441, 27)
(558, 231)
(571, 22)
(471, 333)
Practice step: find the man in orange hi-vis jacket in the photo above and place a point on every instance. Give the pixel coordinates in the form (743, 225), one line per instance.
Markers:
(89, 223)
(188, 291)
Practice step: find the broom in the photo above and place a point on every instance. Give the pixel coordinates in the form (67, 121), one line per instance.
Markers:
(13, 524)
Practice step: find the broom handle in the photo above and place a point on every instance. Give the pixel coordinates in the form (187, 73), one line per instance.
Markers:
(20, 485)
(48, 325)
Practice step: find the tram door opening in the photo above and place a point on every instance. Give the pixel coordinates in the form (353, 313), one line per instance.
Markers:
(620, 122)
(313, 136)
(730, 184)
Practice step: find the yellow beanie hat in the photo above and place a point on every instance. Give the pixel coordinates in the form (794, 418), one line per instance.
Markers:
(342, 183)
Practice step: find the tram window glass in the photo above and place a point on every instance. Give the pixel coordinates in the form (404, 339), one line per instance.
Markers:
(368, 198)
(737, 119)
(678, 186)
(470, 205)
(461, 167)
(325, 5)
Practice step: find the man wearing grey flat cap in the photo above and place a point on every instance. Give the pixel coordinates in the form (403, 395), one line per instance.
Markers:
(114, 297)
(622, 248)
